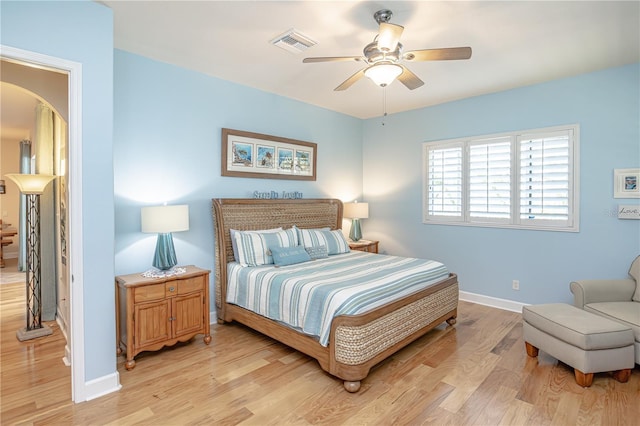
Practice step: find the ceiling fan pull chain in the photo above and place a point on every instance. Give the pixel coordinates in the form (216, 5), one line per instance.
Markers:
(384, 103)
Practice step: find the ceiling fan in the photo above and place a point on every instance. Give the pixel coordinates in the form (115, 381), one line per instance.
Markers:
(384, 54)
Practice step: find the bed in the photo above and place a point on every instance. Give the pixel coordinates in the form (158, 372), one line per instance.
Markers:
(355, 343)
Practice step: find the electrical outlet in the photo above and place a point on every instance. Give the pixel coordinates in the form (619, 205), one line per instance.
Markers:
(515, 285)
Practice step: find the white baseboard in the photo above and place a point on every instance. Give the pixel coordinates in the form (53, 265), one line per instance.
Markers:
(101, 386)
(494, 302)
(66, 359)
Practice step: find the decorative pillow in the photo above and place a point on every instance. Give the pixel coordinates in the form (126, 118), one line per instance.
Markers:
(234, 245)
(318, 252)
(334, 241)
(253, 246)
(634, 271)
(283, 256)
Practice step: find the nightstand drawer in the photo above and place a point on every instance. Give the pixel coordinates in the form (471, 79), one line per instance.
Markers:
(149, 292)
(190, 285)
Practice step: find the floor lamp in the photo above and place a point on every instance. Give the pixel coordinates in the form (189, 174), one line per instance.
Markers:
(32, 186)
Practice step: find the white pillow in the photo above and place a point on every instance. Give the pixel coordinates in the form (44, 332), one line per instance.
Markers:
(234, 245)
(253, 247)
(334, 241)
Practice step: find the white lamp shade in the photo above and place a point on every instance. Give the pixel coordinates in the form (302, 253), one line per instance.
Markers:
(356, 210)
(389, 36)
(31, 184)
(165, 219)
(383, 74)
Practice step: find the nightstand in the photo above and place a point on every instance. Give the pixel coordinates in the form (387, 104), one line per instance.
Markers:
(364, 245)
(155, 312)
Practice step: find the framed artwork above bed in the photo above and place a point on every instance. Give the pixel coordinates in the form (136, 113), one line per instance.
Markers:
(254, 155)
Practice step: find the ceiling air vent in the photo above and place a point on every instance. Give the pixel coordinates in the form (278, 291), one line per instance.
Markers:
(293, 41)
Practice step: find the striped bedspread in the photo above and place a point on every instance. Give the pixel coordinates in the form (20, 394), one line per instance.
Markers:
(306, 296)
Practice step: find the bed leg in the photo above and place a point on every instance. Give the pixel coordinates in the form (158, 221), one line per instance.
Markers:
(351, 386)
(221, 321)
(452, 321)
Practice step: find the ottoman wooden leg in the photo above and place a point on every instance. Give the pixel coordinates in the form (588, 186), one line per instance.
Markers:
(532, 351)
(622, 375)
(583, 379)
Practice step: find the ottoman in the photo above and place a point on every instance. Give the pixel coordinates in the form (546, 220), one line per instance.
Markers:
(587, 342)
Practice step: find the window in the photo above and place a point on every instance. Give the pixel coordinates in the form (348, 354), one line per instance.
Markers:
(516, 180)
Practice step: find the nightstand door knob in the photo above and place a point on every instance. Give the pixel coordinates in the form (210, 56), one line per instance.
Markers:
(172, 289)
(172, 318)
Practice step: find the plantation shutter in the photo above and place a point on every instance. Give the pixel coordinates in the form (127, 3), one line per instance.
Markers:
(546, 178)
(527, 180)
(490, 180)
(444, 180)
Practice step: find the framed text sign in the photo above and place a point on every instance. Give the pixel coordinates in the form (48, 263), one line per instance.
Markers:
(628, 212)
(254, 155)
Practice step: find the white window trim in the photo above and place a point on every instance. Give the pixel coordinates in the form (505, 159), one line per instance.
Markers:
(514, 222)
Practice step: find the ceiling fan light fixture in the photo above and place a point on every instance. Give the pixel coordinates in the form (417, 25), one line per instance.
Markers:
(389, 36)
(383, 74)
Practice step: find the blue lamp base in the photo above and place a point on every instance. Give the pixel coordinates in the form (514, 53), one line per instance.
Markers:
(355, 234)
(165, 257)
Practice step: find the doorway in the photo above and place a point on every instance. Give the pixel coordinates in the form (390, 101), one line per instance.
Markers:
(74, 254)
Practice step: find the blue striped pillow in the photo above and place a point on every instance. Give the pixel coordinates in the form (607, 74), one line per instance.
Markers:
(253, 247)
(234, 245)
(334, 241)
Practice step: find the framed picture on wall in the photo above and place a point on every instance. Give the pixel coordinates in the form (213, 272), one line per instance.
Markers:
(254, 155)
(625, 183)
(266, 157)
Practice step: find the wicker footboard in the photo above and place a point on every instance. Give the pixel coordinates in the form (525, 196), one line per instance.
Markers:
(358, 344)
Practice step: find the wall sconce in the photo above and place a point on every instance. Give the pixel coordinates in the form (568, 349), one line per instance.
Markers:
(356, 211)
(32, 186)
(163, 220)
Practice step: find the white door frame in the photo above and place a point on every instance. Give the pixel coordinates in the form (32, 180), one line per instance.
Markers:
(76, 261)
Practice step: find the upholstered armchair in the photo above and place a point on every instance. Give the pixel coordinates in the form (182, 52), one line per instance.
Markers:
(616, 299)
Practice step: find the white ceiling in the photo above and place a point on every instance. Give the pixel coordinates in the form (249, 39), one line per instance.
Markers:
(515, 43)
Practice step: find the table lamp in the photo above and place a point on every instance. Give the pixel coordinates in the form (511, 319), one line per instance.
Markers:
(32, 185)
(163, 220)
(356, 211)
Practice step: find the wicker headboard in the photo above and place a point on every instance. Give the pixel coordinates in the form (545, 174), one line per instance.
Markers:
(250, 213)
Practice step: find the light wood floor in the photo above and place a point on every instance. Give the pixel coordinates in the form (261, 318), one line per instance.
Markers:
(474, 373)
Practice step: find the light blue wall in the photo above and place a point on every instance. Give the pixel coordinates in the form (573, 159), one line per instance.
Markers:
(167, 147)
(83, 32)
(605, 104)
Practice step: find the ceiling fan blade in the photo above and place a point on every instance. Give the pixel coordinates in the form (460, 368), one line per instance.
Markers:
(389, 36)
(333, 59)
(348, 82)
(409, 79)
(449, 53)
